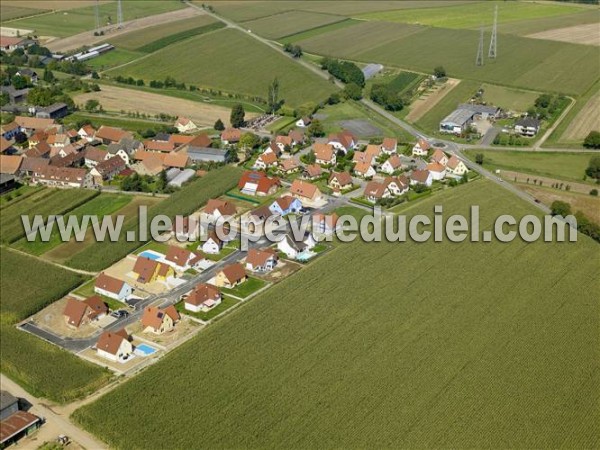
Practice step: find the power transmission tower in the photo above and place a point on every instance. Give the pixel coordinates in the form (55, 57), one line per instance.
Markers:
(97, 15)
(494, 42)
(119, 15)
(479, 60)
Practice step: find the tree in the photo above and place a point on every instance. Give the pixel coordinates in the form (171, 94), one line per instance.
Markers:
(249, 141)
(353, 91)
(273, 96)
(91, 105)
(48, 76)
(237, 115)
(315, 129)
(592, 140)
(593, 169)
(439, 72)
(560, 208)
(334, 98)
(4, 98)
(594, 192)
(479, 158)
(20, 82)
(219, 125)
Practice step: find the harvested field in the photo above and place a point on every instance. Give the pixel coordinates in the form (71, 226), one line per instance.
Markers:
(9, 12)
(56, 5)
(588, 205)
(530, 26)
(579, 34)
(488, 361)
(588, 119)
(111, 99)
(428, 100)
(288, 23)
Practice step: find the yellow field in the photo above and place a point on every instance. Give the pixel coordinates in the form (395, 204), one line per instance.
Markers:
(587, 120)
(580, 34)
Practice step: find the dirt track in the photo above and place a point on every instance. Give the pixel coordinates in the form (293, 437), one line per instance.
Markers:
(422, 105)
(114, 98)
(579, 34)
(88, 38)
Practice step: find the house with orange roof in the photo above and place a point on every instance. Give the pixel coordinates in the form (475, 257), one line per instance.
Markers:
(182, 259)
(439, 157)
(285, 205)
(389, 146)
(456, 167)
(421, 177)
(343, 140)
(421, 148)
(216, 208)
(312, 172)
(364, 170)
(265, 161)
(115, 346)
(392, 164)
(231, 276)
(325, 154)
(324, 223)
(148, 270)
(231, 136)
(185, 125)
(258, 183)
(340, 181)
(112, 287)
(437, 170)
(203, 298)
(78, 313)
(261, 260)
(87, 132)
(308, 193)
(158, 321)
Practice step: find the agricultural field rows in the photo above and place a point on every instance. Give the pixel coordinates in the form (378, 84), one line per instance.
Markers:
(588, 119)
(479, 363)
(191, 197)
(10, 12)
(526, 27)
(289, 23)
(522, 62)
(224, 53)
(316, 31)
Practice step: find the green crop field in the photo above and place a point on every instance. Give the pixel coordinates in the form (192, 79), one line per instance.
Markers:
(530, 26)
(508, 99)
(459, 94)
(316, 31)
(224, 53)
(565, 166)
(289, 23)
(44, 203)
(191, 197)
(68, 23)
(28, 285)
(493, 353)
(473, 14)
(102, 205)
(139, 38)
(522, 62)
(113, 58)
(10, 12)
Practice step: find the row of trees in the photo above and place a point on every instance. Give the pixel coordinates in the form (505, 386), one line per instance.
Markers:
(547, 105)
(592, 140)
(584, 225)
(345, 71)
(385, 96)
(294, 50)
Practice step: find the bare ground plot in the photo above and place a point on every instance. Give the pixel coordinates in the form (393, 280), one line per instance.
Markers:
(429, 99)
(580, 34)
(123, 270)
(284, 269)
(361, 127)
(519, 177)
(111, 99)
(88, 38)
(183, 329)
(65, 251)
(587, 119)
(588, 205)
(51, 319)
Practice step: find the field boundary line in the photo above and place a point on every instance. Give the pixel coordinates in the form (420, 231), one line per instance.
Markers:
(54, 263)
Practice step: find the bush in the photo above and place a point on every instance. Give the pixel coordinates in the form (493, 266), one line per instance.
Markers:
(592, 140)
(594, 192)
(345, 71)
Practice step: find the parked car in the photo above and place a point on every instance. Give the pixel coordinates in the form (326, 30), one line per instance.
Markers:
(120, 313)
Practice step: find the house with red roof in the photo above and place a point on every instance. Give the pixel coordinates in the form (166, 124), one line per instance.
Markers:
(203, 298)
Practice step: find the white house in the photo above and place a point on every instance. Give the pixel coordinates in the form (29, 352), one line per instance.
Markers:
(389, 146)
(421, 148)
(324, 154)
(261, 260)
(265, 160)
(216, 209)
(391, 165)
(212, 245)
(456, 167)
(87, 132)
(344, 141)
(185, 125)
(304, 122)
(437, 171)
(203, 298)
(112, 287)
(527, 126)
(293, 248)
(439, 157)
(364, 170)
(421, 177)
(114, 346)
(182, 259)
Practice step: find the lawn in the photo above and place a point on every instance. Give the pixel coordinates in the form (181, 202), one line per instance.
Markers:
(68, 23)
(133, 124)
(226, 303)
(87, 290)
(114, 58)
(508, 99)
(17, 195)
(100, 206)
(521, 62)
(28, 285)
(290, 23)
(564, 166)
(192, 196)
(10, 12)
(223, 54)
(247, 288)
(139, 38)
(344, 356)
(43, 203)
(473, 14)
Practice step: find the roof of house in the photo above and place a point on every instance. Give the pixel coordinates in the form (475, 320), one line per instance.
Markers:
(375, 189)
(212, 236)
(10, 163)
(108, 283)
(303, 189)
(224, 207)
(183, 121)
(438, 155)
(202, 140)
(111, 133)
(289, 164)
(176, 159)
(95, 154)
(362, 167)
(285, 202)
(67, 161)
(76, 310)
(153, 316)
(435, 167)
(343, 178)
(114, 164)
(299, 246)
(234, 272)
(159, 146)
(4, 144)
(330, 220)
(425, 145)
(530, 122)
(34, 164)
(97, 305)
(203, 293)
(420, 176)
(145, 268)
(9, 41)
(88, 130)
(394, 161)
(453, 162)
(296, 135)
(285, 140)
(259, 257)
(372, 151)
(268, 158)
(6, 127)
(16, 423)
(40, 149)
(231, 135)
(345, 137)
(362, 157)
(263, 182)
(262, 212)
(178, 255)
(323, 152)
(181, 139)
(34, 123)
(458, 117)
(111, 341)
(389, 143)
(313, 170)
(61, 174)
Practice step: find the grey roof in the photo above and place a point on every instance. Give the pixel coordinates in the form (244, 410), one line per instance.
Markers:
(458, 117)
(184, 176)
(528, 122)
(52, 108)
(298, 246)
(5, 178)
(164, 137)
(127, 144)
(371, 70)
(7, 399)
(172, 173)
(479, 109)
(206, 153)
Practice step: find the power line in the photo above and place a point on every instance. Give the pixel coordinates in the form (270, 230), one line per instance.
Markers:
(494, 42)
(119, 15)
(97, 15)
(479, 60)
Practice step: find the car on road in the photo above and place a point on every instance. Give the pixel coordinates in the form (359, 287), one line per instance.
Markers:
(119, 313)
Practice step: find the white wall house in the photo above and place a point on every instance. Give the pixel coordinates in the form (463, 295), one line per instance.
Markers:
(212, 246)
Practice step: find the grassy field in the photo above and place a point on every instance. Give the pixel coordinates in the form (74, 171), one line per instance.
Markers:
(139, 38)
(114, 58)
(489, 360)
(68, 23)
(100, 255)
(102, 205)
(459, 94)
(44, 203)
(522, 62)
(28, 285)
(565, 166)
(225, 53)
(529, 26)
(508, 99)
(473, 14)
(128, 123)
(10, 12)
(290, 23)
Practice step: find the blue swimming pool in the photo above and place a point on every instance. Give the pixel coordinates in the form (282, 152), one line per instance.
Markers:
(151, 254)
(144, 350)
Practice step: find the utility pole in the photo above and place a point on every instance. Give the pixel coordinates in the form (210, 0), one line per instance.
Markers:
(494, 42)
(119, 15)
(97, 15)
(479, 60)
